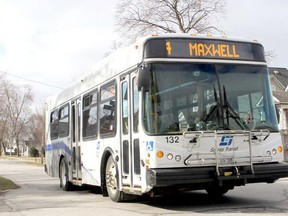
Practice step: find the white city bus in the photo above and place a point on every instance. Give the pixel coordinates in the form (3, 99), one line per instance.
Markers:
(171, 112)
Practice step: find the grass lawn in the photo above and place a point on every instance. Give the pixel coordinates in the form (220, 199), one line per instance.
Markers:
(6, 184)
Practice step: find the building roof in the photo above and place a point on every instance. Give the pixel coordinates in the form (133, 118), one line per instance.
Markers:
(281, 96)
(281, 75)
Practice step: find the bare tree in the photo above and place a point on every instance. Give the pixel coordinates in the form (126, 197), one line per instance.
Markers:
(36, 129)
(140, 17)
(3, 115)
(3, 126)
(16, 101)
(270, 55)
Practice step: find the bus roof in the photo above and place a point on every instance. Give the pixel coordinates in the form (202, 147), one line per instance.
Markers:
(122, 60)
(142, 40)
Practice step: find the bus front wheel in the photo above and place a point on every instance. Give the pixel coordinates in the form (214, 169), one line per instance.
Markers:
(217, 191)
(112, 183)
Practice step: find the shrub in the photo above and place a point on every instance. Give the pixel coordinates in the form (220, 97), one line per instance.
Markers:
(33, 152)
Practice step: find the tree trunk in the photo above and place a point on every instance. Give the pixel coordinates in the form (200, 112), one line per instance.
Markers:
(17, 145)
(3, 148)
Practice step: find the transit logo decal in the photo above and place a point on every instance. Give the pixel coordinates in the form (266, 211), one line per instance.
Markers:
(226, 141)
(98, 145)
(225, 145)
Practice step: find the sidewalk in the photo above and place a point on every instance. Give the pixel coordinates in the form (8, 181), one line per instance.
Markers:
(29, 160)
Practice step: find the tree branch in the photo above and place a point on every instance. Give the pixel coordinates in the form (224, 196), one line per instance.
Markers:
(136, 17)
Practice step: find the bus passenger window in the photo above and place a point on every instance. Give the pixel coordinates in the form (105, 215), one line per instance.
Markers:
(107, 109)
(135, 106)
(125, 108)
(54, 125)
(64, 121)
(90, 117)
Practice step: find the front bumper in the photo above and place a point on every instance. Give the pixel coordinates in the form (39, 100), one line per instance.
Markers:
(166, 177)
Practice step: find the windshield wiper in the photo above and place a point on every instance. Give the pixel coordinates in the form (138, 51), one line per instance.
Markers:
(230, 112)
(218, 110)
(224, 111)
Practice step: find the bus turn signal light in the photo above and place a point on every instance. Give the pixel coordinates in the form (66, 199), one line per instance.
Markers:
(160, 154)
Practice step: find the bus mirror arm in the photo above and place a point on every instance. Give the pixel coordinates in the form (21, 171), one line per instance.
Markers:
(143, 77)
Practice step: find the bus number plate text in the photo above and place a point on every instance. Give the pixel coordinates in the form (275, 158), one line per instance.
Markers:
(172, 139)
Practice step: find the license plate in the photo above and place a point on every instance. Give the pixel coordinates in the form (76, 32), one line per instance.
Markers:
(226, 160)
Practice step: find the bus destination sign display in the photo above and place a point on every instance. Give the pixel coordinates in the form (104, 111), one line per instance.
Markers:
(203, 49)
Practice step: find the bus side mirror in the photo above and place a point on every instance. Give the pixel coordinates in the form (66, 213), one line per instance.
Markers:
(144, 78)
(277, 114)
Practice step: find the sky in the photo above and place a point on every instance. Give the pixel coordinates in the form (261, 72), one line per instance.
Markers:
(49, 44)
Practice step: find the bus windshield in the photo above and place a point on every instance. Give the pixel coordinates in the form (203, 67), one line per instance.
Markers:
(202, 97)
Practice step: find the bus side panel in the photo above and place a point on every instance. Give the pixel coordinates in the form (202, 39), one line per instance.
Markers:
(91, 162)
(52, 161)
(55, 150)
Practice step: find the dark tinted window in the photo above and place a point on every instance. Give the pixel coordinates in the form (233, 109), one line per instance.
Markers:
(90, 118)
(64, 121)
(54, 125)
(107, 110)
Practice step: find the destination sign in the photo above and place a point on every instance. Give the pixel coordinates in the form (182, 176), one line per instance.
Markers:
(203, 49)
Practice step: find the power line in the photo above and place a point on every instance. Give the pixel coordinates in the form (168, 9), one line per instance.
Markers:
(35, 81)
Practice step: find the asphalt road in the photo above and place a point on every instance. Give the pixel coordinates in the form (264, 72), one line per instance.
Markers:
(40, 195)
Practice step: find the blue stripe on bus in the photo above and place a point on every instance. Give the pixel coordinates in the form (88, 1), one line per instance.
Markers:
(58, 146)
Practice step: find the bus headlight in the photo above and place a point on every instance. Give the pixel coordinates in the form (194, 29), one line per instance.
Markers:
(178, 158)
(169, 156)
(268, 153)
(274, 151)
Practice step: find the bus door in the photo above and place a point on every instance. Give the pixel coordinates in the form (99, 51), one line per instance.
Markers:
(75, 136)
(130, 149)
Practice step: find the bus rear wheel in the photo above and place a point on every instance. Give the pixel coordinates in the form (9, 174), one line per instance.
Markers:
(65, 184)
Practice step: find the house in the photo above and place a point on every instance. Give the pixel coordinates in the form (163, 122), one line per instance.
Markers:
(279, 86)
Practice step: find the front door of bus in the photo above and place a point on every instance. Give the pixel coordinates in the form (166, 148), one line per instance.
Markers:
(130, 150)
(75, 136)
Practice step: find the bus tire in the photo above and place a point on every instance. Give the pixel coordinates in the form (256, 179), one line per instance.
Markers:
(112, 181)
(217, 191)
(65, 184)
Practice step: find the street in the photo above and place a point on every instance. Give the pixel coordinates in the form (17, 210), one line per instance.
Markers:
(39, 194)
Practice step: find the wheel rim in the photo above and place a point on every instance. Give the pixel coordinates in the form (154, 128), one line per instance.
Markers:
(111, 180)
